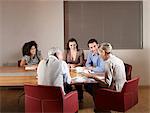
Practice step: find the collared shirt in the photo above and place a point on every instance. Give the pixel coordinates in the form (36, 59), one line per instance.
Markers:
(50, 72)
(115, 72)
(96, 61)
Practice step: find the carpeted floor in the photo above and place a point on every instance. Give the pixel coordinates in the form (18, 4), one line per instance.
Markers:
(10, 102)
(143, 105)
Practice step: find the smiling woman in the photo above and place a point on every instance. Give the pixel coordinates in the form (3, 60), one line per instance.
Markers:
(31, 54)
(73, 55)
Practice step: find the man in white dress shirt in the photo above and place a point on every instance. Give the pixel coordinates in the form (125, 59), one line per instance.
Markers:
(53, 71)
(114, 67)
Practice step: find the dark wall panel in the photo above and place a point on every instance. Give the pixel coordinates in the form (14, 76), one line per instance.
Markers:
(117, 22)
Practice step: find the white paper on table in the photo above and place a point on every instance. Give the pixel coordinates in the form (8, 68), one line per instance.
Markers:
(30, 68)
(88, 71)
(79, 69)
(79, 79)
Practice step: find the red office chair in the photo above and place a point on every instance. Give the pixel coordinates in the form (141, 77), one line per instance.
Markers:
(106, 99)
(128, 69)
(49, 99)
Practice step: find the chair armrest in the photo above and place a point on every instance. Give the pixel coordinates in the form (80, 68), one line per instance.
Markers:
(68, 95)
(106, 94)
(106, 90)
(71, 102)
(105, 99)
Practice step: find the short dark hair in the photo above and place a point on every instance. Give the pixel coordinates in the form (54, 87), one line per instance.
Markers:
(27, 46)
(92, 40)
(72, 40)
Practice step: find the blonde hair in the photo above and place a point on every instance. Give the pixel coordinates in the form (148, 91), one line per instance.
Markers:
(106, 47)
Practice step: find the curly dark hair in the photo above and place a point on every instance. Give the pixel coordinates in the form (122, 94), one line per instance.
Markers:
(27, 46)
(72, 40)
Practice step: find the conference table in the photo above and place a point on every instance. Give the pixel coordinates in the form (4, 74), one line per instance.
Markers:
(13, 78)
(81, 77)
(18, 76)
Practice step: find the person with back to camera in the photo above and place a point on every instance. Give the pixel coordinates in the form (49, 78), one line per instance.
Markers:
(53, 71)
(31, 55)
(74, 57)
(94, 63)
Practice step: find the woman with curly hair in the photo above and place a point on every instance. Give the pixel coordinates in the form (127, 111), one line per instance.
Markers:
(31, 54)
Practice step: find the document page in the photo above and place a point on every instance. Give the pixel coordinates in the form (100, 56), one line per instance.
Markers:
(79, 79)
(30, 68)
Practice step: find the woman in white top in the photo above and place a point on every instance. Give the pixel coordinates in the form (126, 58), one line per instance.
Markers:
(53, 71)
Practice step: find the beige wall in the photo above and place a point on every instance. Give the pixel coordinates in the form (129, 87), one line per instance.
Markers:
(0, 34)
(43, 21)
(25, 20)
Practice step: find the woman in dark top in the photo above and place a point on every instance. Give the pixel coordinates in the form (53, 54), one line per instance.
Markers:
(75, 57)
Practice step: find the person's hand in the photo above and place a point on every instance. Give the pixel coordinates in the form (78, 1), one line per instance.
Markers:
(71, 65)
(90, 68)
(84, 68)
(88, 75)
(35, 67)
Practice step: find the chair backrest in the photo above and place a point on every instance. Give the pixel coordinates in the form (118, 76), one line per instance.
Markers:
(43, 99)
(128, 70)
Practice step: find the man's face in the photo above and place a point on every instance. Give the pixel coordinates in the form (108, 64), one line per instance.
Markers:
(102, 54)
(93, 47)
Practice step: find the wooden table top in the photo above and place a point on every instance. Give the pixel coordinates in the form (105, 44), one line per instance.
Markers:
(18, 76)
(13, 69)
(81, 78)
(17, 80)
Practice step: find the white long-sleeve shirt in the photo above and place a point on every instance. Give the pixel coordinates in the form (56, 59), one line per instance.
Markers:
(50, 72)
(116, 70)
(66, 73)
